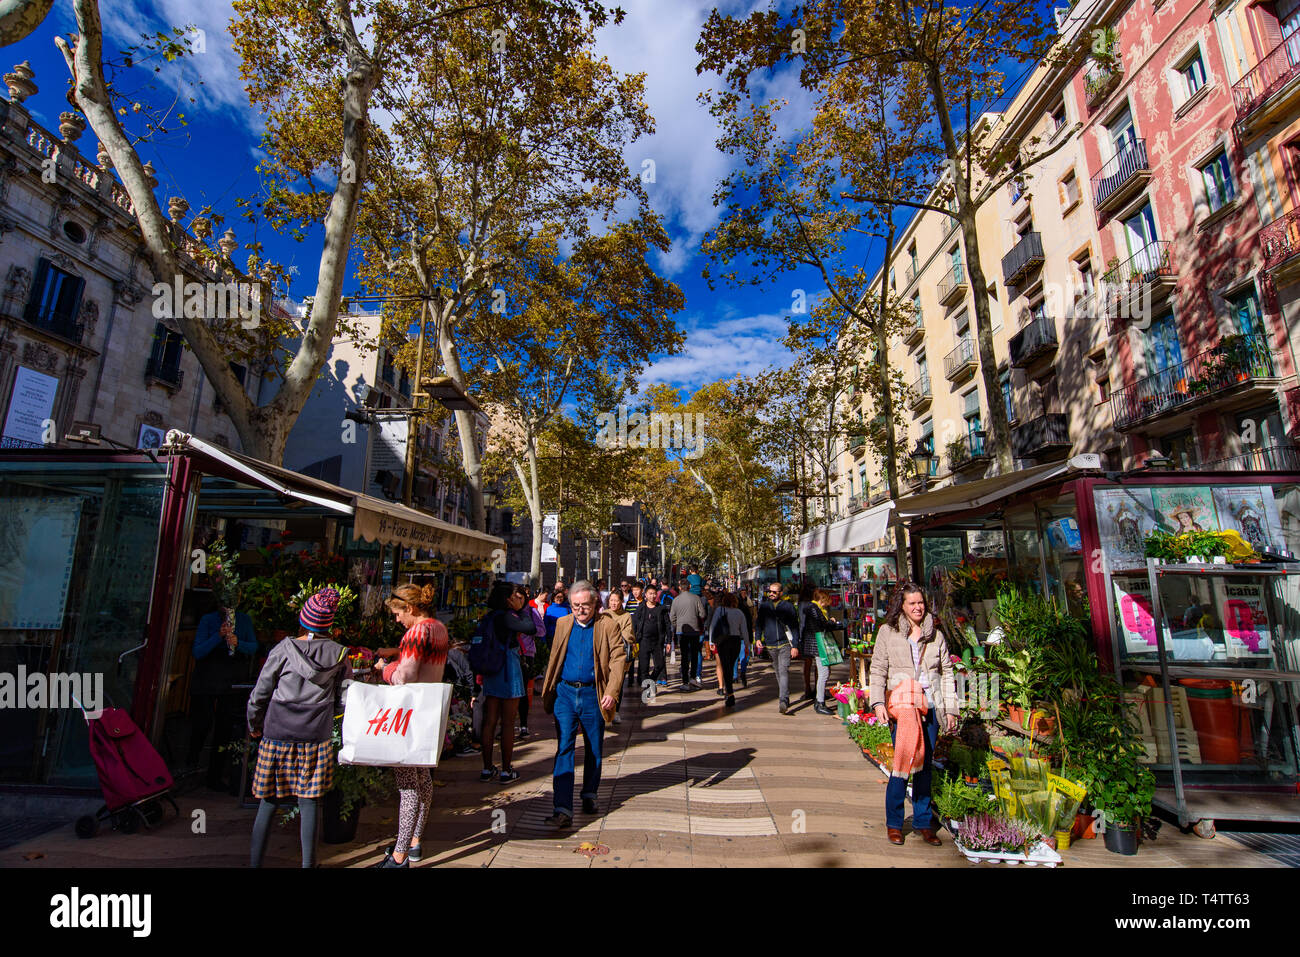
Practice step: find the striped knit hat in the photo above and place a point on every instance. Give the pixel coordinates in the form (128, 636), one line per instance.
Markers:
(317, 613)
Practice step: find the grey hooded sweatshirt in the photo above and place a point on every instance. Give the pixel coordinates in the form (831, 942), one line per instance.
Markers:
(297, 693)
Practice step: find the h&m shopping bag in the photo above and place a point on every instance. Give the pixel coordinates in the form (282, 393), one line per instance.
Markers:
(828, 650)
(402, 725)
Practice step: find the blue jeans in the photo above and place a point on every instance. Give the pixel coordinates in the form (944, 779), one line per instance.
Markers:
(896, 790)
(576, 708)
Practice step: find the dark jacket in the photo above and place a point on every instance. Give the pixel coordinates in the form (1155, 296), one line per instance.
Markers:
(651, 624)
(771, 618)
(297, 693)
(215, 668)
(812, 620)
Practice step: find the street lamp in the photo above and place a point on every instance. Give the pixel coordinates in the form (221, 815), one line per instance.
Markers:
(921, 458)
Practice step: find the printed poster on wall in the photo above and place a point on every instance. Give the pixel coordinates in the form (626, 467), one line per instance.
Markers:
(1250, 510)
(1133, 605)
(842, 569)
(1244, 612)
(877, 568)
(30, 406)
(1184, 508)
(1125, 516)
(37, 539)
(551, 537)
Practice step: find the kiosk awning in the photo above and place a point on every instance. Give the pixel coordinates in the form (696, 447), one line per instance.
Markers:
(374, 520)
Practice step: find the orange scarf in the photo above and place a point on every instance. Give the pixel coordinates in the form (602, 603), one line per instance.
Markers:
(907, 706)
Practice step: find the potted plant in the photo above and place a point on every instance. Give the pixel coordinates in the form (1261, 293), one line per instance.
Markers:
(1122, 791)
(958, 454)
(354, 784)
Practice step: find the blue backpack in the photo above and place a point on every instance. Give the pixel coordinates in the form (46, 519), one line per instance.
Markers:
(487, 655)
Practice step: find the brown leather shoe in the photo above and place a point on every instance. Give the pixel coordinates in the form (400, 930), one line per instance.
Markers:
(928, 835)
(895, 835)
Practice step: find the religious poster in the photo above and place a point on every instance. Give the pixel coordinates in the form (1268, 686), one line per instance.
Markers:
(1125, 517)
(37, 539)
(30, 405)
(1136, 621)
(876, 568)
(1250, 510)
(842, 569)
(1184, 508)
(1243, 611)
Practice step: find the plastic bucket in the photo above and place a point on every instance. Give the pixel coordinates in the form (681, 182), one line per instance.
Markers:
(1216, 718)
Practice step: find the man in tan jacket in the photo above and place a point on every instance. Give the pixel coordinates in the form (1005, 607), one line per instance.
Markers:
(584, 679)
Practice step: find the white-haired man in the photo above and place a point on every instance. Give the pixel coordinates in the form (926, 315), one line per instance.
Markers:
(584, 679)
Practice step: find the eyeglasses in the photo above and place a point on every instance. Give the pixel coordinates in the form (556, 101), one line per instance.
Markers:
(584, 604)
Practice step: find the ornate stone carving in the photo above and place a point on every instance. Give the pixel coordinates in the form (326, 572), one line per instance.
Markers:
(103, 227)
(105, 161)
(71, 126)
(128, 293)
(19, 82)
(152, 418)
(39, 356)
(88, 318)
(177, 207)
(18, 284)
(149, 175)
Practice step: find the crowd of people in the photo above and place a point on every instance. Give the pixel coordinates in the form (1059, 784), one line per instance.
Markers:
(589, 645)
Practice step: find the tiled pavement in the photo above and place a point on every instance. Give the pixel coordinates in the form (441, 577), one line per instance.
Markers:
(686, 784)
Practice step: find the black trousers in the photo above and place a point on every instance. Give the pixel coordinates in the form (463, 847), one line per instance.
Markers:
(649, 647)
(690, 651)
(729, 652)
(214, 713)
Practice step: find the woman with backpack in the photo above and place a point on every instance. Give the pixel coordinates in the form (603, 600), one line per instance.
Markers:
(728, 633)
(291, 710)
(422, 657)
(494, 654)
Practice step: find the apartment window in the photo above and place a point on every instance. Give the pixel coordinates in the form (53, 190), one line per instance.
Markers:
(962, 326)
(1216, 175)
(1059, 118)
(1032, 312)
(922, 371)
(165, 357)
(388, 372)
(1005, 382)
(1244, 309)
(1101, 376)
(911, 255)
(1193, 73)
(971, 413)
(1069, 188)
(892, 284)
(55, 300)
(927, 443)
(1123, 135)
(916, 308)
(1181, 447)
(862, 479)
(954, 257)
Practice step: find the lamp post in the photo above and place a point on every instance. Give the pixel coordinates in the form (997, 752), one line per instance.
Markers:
(921, 459)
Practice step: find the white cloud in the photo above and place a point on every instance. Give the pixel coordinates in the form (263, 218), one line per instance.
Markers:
(733, 345)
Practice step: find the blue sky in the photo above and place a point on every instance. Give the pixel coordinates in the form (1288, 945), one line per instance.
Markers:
(212, 161)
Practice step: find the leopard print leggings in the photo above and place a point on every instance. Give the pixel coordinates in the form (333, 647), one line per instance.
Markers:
(415, 794)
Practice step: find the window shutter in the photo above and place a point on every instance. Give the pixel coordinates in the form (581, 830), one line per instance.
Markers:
(1270, 30)
(32, 312)
(159, 345)
(972, 400)
(69, 302)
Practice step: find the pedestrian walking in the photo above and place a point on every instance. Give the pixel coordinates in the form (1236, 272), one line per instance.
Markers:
(912, 685)
(556, 609)
(636, 598)
(694, 582)
(584, 682)
(651, 625)
(421, 659)
(503, 623)
(614, 610)
(291, 713)
(778, 627)
(814, 620)
(686, 616)
(728, 633)
(528, 660)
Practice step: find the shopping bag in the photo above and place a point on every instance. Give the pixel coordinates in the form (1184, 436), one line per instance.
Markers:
(403, 725)
(828, 650)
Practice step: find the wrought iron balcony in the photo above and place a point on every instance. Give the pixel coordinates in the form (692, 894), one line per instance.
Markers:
(921, 394)
(961, 361)
(1126, 285)
(952, 287)
(1024, 257)
(169, 376)
(1273, 74)
(857, 442)
(1034, 340)
(1276, 458)
(1235, 362)
(1280, 239)
(1122, 177)
(856, 504)
(967, 452)
(1049, 432)
(915, 332)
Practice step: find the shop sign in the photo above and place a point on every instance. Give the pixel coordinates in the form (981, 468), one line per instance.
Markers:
(1136, 620)
(1242, 608)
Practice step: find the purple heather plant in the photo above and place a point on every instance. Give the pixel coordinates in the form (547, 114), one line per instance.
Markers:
(987, 832)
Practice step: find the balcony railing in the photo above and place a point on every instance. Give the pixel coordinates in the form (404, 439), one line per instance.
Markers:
(960, 361)
(1128, 167)
(167, 375)
(1026, 255)
(953, 286)
(1151, 263)
(1235, 360)
(967, 451)
(1034, 340)
(909, 274)
(1047, 433)
(1276, 458)
(921, 394)
(856, 442)
(1275, 71)
(915, 332)
(1280, 239)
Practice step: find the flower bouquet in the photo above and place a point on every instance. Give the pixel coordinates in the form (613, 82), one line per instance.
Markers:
(220, 566)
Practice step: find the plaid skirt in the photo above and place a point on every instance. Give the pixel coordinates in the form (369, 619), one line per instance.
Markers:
(302, 769)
